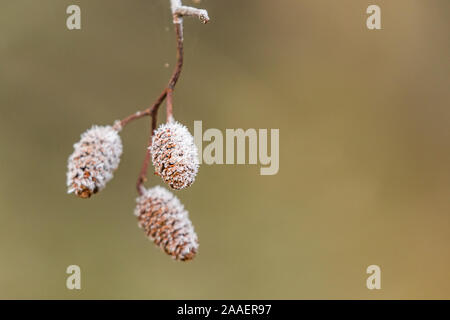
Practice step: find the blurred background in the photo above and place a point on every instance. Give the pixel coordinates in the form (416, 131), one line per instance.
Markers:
(364, 148)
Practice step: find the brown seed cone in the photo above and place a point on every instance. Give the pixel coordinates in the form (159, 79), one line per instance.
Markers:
(166, 222)
(93, 161)
(175, 155)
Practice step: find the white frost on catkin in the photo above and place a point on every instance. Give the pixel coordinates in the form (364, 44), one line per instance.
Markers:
(94, 160)
(174, 155)
(167, 223)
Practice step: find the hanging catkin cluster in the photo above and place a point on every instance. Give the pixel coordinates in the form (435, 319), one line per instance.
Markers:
(174, 155)
(93, 161)
(166, 222)
(171, 149)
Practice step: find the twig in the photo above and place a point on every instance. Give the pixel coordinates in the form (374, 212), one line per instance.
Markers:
(153, 112)
(176, 73)
(178, 12)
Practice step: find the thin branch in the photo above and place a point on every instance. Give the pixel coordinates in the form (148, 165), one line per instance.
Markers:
(153, 111)
(185, 11)
(176, 73)
(178, 12)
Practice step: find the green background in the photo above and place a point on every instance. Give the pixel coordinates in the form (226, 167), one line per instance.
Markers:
(364, 148)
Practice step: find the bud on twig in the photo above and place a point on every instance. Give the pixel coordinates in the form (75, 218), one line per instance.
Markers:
(166, 222)
(175, 155)
(93, 161)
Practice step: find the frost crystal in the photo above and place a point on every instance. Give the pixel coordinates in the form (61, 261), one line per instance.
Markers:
(166, 222)
(93, 161)
(174, 155)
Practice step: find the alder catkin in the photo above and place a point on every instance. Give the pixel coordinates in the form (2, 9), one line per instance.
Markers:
(166, 223)
(174, 155)
(93, 161)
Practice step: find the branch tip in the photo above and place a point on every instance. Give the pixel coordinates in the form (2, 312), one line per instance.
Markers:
(179, 11)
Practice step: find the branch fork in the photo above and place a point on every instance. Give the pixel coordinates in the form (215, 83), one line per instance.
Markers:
(178, 12)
